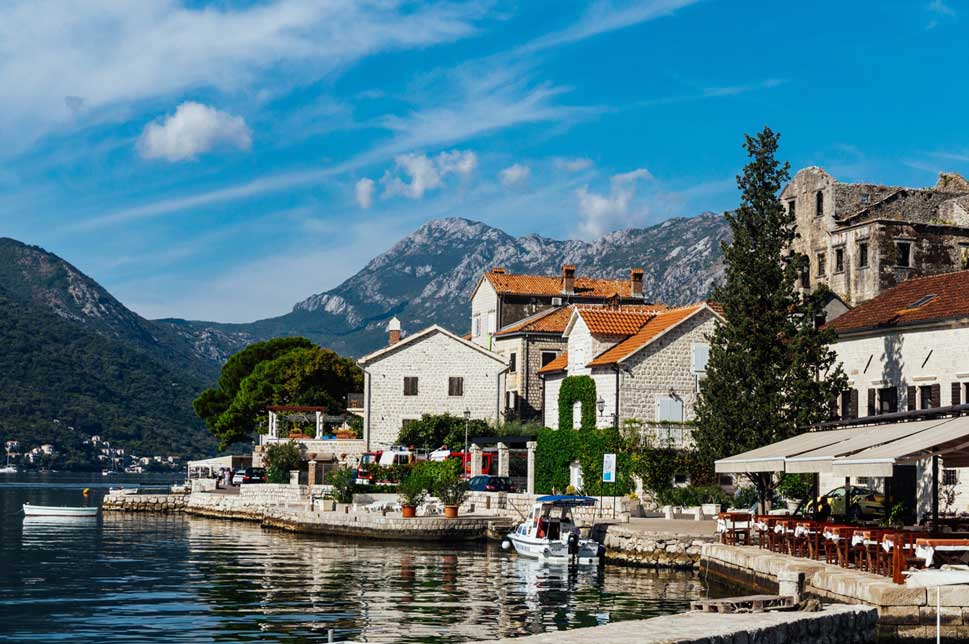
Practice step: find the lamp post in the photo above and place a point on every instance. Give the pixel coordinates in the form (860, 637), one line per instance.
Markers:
(467, 454)
(601, 404)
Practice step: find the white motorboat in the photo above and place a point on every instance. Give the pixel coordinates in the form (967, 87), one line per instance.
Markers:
(59, 511)
(551, 534)
(8, 469)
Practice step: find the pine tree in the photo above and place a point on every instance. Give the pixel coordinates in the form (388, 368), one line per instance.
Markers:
(770, 372)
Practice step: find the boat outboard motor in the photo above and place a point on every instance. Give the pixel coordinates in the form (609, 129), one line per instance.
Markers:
(573, 542)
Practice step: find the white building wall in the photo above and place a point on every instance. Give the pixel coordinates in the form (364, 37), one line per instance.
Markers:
(553, 383)
(914, 357)
(432, 359)
(484, 304)
(583, 347)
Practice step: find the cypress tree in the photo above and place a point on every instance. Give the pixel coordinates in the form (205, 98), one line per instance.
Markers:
(770, 372)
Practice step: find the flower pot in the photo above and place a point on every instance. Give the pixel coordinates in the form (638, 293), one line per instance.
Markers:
(408, 511)
(450, 511)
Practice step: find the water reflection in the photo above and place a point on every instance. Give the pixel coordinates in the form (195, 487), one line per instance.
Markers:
(177, 579)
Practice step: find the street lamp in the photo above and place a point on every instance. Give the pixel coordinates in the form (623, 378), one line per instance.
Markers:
(601, 404)
(467, 454)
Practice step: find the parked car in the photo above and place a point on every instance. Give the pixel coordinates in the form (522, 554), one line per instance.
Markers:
(249, 475)
(486, 483)
(853, 502)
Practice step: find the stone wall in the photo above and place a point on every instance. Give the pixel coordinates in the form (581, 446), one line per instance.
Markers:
(630, 547)
(163, 503)
(903, 613)
(531, 392)
(833, 625)
(485, 301)
(432, 359)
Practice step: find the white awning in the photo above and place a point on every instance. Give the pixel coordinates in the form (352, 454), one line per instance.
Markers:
(948, 438)
(822, 459)
(771, 458)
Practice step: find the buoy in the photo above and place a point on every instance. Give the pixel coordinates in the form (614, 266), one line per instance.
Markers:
(86, 491)
(505, 544)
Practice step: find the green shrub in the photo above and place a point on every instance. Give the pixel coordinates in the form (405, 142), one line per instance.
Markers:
(280, 459)
(343, 481)
(447, 484)
(434, 430)
(577, 388)
(412, 489)
(745, 497)
(557, 449)
(795, 487)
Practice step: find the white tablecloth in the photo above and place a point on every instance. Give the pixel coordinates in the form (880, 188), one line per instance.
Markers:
(928, 552)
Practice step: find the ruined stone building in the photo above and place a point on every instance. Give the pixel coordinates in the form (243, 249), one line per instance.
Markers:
(863, 238)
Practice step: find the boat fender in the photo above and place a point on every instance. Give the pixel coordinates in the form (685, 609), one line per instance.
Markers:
(546, 553)
(505, 544)
(86, 491)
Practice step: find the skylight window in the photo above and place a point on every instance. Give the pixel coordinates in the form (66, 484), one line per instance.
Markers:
(922, 301)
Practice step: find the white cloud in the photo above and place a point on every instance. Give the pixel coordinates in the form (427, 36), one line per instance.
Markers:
(364, 190)
(514, 175)
(939, 10)
(415, 174)
(193, 130)
(573, 165)
(602, 213)
(112, 54)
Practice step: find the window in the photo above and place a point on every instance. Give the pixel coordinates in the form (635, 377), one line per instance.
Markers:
(950, 477)
(863, 254)
(849, 404)
(512, 363)
(865, 197)
(670, 409)
(477, 326)
(819, 204)
(839, 260)
(792, 207)
(821, 262)
(547, 357)
(701, 382)
(407, 422)
(726, 480)
(922, 301)
(701, 356)
(887, 400)
(929, 396)
(491, 322)
(455, 386)
(680, 479)
(410, 385)
(903, 254)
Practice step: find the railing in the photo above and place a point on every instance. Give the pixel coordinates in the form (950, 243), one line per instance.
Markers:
(355, 401)
(660, 434)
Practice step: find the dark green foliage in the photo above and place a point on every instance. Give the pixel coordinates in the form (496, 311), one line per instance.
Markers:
(435, 430)
(746, 497)
(446, 482)
(795, 487)
(693, 495)
(283, 371)
(557, 449)
(762, 383)
(343, 480)
(412, 489)
(281, 459)
(577, 388)
(54, 368)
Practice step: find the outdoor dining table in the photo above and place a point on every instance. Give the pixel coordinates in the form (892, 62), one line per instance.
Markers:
(927, 548)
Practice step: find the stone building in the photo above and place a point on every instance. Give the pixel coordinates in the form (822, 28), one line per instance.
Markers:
(863, 238)
(430, 372)
(522, 317)
(908, 349)
(648, 365)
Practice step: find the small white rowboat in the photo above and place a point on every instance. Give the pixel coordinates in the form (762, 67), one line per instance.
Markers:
(58, 511)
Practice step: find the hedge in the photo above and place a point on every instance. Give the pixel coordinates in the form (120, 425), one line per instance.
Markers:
(556, 449)
(581, 388)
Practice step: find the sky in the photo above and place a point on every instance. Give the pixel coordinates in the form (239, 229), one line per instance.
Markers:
(224, 160)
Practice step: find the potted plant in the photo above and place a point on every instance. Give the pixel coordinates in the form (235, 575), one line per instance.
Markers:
(450, 488)
(411, 491)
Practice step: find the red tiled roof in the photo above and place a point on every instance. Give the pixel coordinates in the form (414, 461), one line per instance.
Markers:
(549, 285)
(895, 307)
(605, 321)
(561, 363)
(549, 321)
(656, 325)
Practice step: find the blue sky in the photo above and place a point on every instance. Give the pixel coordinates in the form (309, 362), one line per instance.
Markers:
(223, 160)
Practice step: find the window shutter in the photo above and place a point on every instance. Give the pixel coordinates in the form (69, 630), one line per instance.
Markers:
(833, 408)
(957, 393)
(892, 399)
(854, 403)
(911, 398)
(871, 402)
(701, 356)
(936, 395)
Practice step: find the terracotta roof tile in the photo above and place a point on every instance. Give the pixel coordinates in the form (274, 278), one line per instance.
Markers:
(548, 321)
(895, 307)
(604, 321)
(561, 363)
(656, 325)
(505, 283)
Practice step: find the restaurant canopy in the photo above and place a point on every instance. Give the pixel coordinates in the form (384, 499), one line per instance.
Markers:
(771, 458)
(947, 438)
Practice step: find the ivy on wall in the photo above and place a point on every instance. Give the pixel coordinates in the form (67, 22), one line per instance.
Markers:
(556, 450)
(577, 388)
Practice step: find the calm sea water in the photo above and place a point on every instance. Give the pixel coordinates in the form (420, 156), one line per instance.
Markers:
(141, 578)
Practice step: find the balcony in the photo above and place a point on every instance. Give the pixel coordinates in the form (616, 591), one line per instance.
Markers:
(355, 404)
(662, 434)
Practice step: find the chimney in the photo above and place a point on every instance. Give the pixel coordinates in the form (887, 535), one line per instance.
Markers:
(636, 282)
(393, 332)
(498, 270)
(568, 279)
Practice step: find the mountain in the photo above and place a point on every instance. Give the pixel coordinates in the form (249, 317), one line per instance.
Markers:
(427, 277)
(75, 362)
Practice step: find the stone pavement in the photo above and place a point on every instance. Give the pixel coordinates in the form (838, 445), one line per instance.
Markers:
(679, 527)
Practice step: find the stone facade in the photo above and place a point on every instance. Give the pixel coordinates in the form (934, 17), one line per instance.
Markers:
(630, 547)
(525, 381)
(162, 503)
(910, 360)
(432, 356)
(864, 224)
